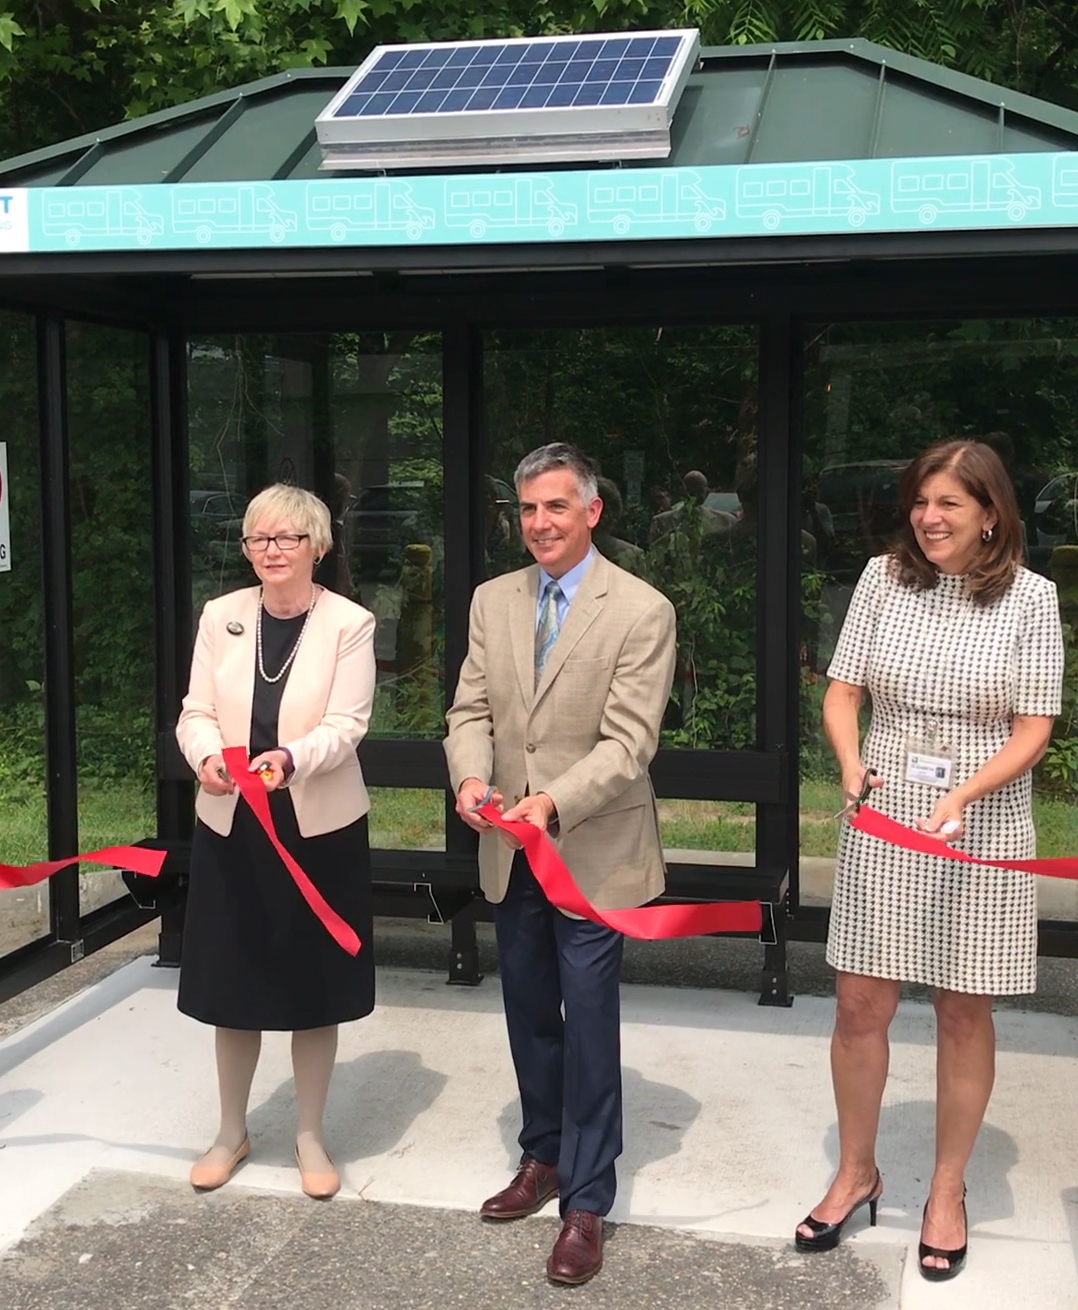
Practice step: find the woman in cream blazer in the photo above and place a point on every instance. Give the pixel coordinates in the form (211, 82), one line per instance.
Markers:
(286, 670)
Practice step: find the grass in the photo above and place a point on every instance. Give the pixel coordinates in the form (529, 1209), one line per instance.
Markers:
(110, 816)
(405, 818)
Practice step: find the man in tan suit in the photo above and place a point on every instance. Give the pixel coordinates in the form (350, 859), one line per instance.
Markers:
(557, 710)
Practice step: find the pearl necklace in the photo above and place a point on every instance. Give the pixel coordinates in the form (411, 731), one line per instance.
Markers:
(295, 649)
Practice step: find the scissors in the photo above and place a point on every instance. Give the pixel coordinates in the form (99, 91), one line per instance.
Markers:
(483, 800)
(850, 810)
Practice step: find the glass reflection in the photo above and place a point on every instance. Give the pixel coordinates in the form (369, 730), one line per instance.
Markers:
(24, 913)
(357, 418)
(877, 394)
(669, 417)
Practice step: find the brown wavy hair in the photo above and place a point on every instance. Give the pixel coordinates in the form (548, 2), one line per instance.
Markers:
(980, 471)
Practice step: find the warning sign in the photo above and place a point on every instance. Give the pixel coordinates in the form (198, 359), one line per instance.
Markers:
(5, 517)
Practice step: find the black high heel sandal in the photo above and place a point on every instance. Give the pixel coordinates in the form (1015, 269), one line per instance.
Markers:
(825, 1236)
(955, 1259)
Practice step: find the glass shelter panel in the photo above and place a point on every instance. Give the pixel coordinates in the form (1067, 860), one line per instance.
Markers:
(356, 418)
(669, 417)
(24, 913)
(112, 592)
(875, 396)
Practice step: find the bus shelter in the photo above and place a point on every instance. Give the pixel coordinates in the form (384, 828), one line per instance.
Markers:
(847, 255)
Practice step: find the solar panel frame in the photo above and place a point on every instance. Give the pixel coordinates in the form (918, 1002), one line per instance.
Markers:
(631, 59)
(510, 100)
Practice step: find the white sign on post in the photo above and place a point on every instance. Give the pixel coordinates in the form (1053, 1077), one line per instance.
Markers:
(5, 517)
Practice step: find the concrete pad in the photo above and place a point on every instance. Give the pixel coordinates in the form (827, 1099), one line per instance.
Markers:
(730, 1131)
(123, 1242)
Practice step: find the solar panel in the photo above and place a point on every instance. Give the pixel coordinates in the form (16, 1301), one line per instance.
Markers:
(469, 79)
(588, 97)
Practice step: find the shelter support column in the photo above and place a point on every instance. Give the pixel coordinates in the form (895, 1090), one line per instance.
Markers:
(172, 604)
(60, 736)
(779, 578)
(462, 388)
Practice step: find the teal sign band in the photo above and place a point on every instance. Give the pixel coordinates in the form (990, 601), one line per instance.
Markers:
(952, 192)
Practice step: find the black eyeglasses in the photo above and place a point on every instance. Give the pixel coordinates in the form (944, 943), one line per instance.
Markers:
(282, 540)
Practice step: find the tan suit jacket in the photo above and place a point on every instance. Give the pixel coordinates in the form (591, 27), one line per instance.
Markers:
(325, 707)
(585, 735)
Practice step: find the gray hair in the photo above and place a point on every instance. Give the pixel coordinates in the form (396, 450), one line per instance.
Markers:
(301, 508)
(559, 455)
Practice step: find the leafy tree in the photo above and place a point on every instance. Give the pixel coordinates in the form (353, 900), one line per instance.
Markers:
(70, 66)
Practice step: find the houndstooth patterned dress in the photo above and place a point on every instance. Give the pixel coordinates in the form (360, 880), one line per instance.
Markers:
(936, 656)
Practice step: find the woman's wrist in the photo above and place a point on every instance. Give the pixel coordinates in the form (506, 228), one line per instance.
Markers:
(289, 762)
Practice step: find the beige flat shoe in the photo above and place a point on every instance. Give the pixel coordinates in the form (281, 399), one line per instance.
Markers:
(319, 1187)
(207, 1177)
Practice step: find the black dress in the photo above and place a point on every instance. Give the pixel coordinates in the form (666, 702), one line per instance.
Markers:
(254, 954)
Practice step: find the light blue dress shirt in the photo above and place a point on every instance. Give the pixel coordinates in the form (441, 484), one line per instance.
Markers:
(568, 582)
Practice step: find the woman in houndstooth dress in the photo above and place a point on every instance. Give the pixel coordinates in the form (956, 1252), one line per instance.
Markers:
(961, 651)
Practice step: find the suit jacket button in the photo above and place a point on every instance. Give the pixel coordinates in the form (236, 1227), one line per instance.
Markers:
(530, 748)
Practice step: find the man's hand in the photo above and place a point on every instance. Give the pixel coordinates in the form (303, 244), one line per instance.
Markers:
(537, 809)
(471, 793)
(214, 777)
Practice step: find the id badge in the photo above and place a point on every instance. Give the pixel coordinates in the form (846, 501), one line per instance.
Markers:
(929, 761)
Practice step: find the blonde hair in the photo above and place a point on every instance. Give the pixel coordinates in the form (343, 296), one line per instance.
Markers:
(301, 508)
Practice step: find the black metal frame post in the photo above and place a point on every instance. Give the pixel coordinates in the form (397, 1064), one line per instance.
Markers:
(172, 602)
(778, 546)
(61, 743)
(462, 386)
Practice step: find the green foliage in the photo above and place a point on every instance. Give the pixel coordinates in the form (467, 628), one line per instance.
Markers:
(111, 561)
(70, 66)
(711, 581)
(884, 391)
(22, 761)
(1058, 770)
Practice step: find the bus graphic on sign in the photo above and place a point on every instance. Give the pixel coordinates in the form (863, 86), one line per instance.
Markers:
(1065, 180)
(385, 205)
(627, 196)
(101, 212)
(772, 193)
(526, 204)
(243, 211)
(930, 187)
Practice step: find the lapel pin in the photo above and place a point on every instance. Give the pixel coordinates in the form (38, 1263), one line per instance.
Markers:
(234, 627)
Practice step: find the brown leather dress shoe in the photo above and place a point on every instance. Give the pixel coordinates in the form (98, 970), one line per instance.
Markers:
(578, 1252)
(535, 1183)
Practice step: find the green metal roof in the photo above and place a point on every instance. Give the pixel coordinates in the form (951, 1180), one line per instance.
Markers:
(746, 104)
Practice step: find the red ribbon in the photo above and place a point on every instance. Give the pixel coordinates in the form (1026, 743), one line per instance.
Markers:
(875, 824)
(647, 922)
(253, 791)
(136, 858)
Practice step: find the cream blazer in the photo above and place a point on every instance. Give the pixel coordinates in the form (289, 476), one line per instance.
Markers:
(325, 706)
(586, 735)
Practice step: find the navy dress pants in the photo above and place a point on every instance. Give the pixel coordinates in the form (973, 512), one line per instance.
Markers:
(560, 983)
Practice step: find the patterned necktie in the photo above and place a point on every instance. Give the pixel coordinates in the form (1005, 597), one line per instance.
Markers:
(546, 634)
